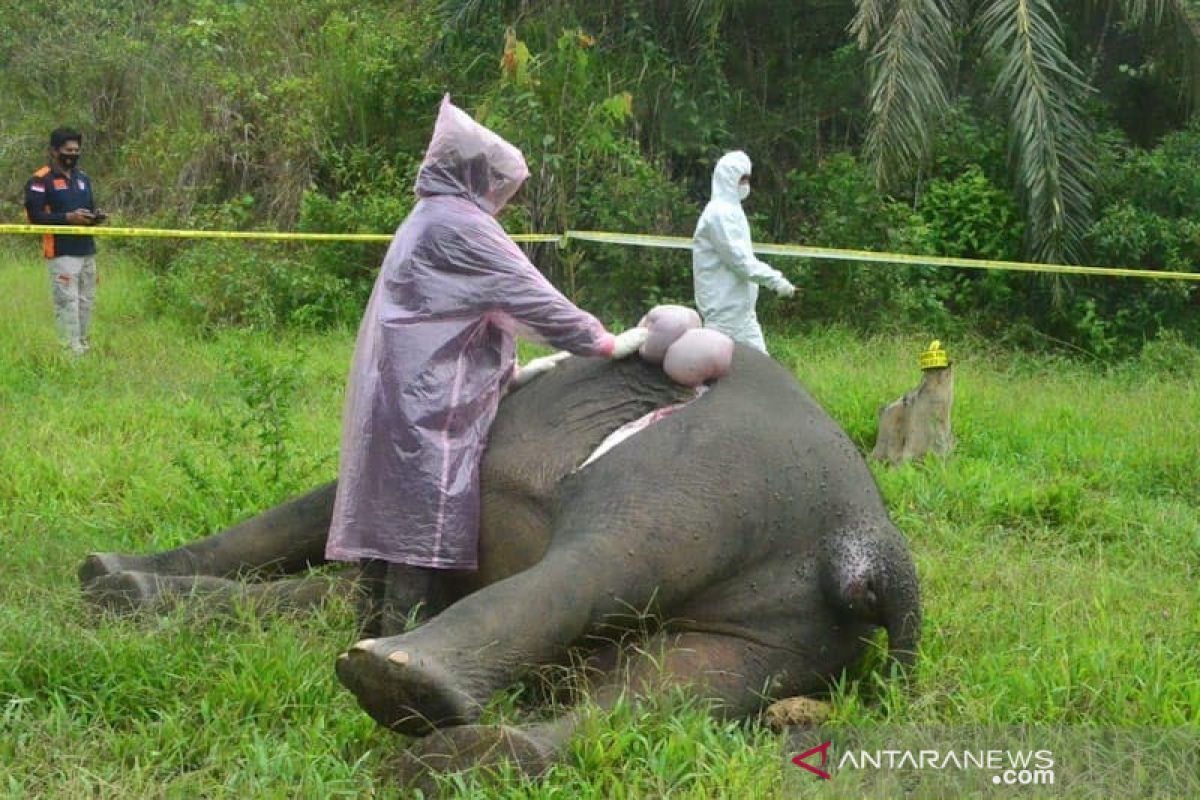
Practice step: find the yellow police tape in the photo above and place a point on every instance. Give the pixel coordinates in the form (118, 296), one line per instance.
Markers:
(635, 239)
(800, 251)
(165, 233)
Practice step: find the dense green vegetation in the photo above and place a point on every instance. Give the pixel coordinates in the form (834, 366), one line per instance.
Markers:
(1056, 549)
(910, 126)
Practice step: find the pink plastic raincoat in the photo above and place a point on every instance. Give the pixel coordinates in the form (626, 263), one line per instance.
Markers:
(435, 350)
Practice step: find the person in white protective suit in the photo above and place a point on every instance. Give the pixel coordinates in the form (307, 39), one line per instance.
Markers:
(436, 350)
(725, 272)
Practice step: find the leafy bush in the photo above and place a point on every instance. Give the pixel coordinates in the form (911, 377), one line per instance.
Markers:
(968, 217)
(588, 173)
(836, 205)
(1150, 219)
(379, 210)
(217, 283)
(1169, 354)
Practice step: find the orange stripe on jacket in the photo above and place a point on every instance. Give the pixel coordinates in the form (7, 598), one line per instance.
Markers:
(47, 239)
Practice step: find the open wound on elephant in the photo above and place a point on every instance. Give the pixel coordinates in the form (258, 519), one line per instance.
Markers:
(638, 425)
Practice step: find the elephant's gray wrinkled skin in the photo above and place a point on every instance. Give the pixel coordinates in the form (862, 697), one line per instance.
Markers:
(747, 523)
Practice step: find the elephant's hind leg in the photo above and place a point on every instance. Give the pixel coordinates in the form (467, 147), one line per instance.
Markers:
(284, 540)
(733, 674)
(729, 672)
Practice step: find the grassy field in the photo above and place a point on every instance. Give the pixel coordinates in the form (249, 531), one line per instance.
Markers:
(1059, 551)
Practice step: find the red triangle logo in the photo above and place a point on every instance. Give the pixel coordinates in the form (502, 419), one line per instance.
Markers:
(823, 749)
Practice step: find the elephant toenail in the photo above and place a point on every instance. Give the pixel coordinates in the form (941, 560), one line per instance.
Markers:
(399, 657)
(364, 646)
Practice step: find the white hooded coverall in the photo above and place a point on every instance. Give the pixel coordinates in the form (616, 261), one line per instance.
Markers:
(725, 273)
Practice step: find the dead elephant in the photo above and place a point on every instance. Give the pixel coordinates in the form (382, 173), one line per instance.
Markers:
(746, 524)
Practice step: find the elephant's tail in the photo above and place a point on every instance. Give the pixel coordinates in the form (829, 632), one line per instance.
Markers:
(870, 575)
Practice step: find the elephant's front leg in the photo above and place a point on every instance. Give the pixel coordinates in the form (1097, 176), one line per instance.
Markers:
(444, 672)
(730, 673)
(284, 540)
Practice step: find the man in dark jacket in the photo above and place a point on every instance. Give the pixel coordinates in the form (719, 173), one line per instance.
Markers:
(59, 193)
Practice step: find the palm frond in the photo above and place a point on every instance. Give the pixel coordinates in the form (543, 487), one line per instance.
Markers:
(1049, 141)
(868, 21)
(908, 67)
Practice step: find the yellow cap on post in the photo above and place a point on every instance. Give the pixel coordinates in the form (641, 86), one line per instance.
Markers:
(934, 357)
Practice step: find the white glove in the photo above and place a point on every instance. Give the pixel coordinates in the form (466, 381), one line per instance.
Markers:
(629, 342)
(537, 367)
(782, 287)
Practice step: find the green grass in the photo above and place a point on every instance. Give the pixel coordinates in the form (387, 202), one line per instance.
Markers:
(1058, 551)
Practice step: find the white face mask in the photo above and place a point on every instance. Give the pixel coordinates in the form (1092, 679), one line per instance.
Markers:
(743, 191)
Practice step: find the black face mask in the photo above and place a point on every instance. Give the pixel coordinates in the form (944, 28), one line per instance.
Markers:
(68, 161)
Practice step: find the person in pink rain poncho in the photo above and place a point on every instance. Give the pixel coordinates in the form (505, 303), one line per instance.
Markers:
(435, 352)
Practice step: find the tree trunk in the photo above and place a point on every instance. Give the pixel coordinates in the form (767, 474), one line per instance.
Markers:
(919, 422)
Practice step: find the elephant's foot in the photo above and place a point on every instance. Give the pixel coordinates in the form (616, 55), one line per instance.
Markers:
(100, 565)
(120, 592)
(130, 591)
(469, 747)
(126, 592)
(403, 689)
